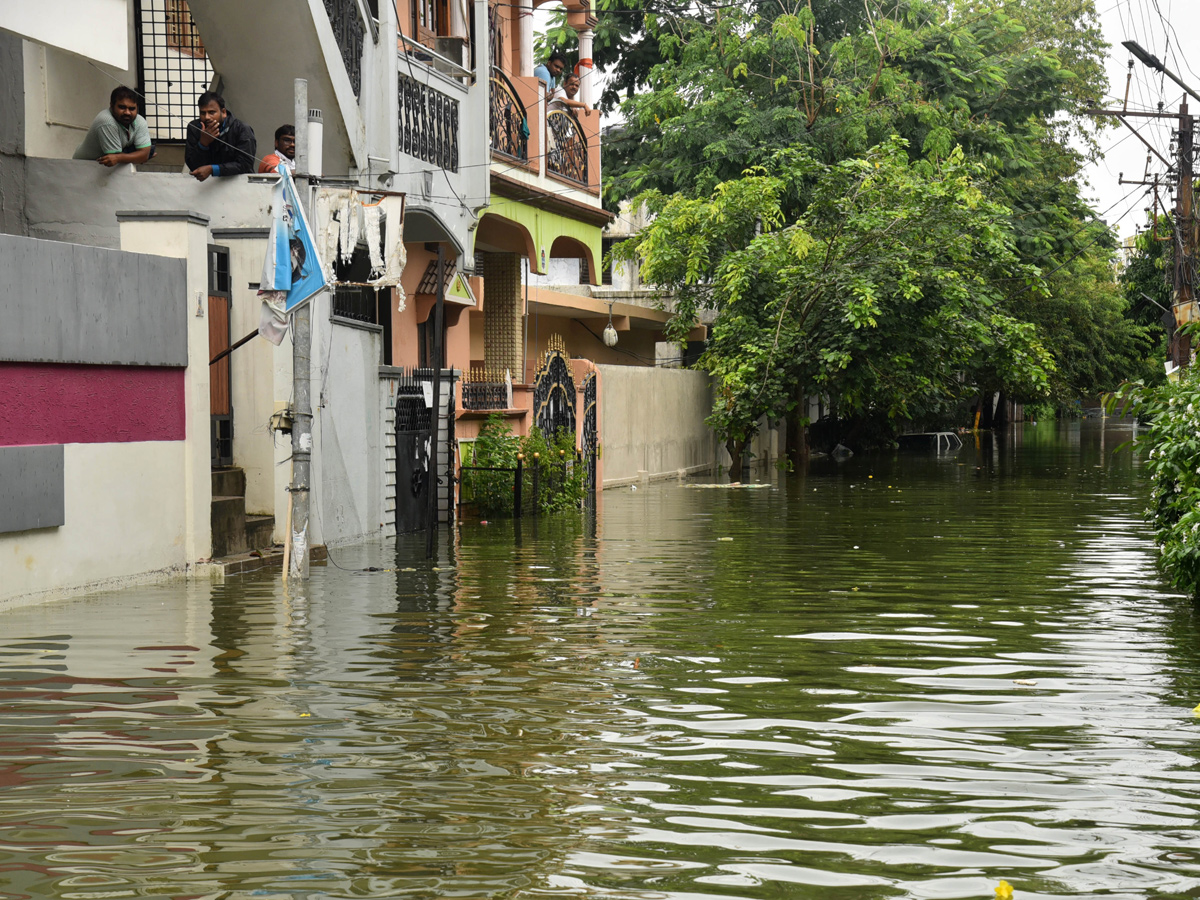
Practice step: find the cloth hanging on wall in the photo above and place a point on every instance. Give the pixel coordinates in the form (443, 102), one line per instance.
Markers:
(373, 232)
(395, 257)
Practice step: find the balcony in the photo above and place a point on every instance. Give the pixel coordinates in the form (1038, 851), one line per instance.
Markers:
(567, 151)
(561, 145)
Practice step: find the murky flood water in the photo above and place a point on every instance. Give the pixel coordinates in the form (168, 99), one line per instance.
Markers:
(897, 677)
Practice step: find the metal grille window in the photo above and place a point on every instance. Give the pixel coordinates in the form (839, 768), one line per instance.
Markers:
(173, 69)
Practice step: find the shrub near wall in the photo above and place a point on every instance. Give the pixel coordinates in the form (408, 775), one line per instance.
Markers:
(1171, 413)
(561, 482)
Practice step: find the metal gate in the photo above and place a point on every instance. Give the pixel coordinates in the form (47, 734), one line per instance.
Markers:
(554, 390)
(414, 456)
(588, 437)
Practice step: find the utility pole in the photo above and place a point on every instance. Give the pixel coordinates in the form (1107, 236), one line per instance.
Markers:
(1185, 253)
(302, 441)
(1184, 273)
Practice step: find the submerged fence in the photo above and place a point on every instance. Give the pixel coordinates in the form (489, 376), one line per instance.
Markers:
(530, 488)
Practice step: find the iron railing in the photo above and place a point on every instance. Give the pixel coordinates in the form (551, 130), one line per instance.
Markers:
(172, 67)
(484, 389)
(349, 31)
(533, 487)
(355, 302)
(510, 127)
(568, 150)
(428, 123)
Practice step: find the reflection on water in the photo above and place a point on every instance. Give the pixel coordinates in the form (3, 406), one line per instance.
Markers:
(902, 677)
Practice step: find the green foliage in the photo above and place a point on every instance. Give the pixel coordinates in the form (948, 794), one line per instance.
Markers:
(879, 294)
(882, 205)
(495, 447)
(562, 479)
(1172, 410)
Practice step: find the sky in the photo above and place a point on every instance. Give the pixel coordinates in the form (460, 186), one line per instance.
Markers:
(1149, 23)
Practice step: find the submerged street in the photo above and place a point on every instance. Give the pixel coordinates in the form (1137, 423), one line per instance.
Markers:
(898, 676)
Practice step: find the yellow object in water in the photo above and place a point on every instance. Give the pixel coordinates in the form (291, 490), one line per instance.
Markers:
(1004, 891)
(1197, 710)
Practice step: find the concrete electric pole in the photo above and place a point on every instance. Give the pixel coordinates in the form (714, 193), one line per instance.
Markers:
(298, 540)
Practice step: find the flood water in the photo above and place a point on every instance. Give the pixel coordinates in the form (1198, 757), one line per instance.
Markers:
(900, 676)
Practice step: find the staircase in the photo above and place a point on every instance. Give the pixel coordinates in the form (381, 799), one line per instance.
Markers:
(233, 531)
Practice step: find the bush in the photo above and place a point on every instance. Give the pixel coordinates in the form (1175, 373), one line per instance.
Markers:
(562, 479)
(1172, 414)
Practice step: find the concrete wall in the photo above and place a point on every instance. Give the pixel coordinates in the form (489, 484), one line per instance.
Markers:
(125, 521)
(12, 135)
(66, 303)
(132, 507)
(652, 423)
(77, 200)
(347, 496)
(94, 29)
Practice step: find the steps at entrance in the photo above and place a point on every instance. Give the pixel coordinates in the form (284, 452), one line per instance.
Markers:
(233, 531)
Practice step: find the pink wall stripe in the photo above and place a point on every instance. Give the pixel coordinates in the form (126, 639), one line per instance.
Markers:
(47, 403)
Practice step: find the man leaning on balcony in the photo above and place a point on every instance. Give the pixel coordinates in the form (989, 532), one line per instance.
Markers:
(218, 144)
(551, 69)
(118, 134)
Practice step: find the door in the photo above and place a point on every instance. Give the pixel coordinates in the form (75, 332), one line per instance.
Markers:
(219, 338)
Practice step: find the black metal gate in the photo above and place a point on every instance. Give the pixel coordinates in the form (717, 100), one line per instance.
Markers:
(588, 439)
(554, 391)
(415, 459)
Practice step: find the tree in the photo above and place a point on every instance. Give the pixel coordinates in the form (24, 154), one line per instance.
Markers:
(980, 88)
(881, 293)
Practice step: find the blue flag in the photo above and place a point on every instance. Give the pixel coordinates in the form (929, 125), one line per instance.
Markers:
(291, 265)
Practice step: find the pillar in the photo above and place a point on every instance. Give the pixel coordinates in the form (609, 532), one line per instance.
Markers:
(587, 84)
(502, 313)
(525, 26)
(184, 234)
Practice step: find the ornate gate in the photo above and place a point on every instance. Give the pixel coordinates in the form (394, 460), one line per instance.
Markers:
(414, 456)
(588, 439)
(554, 390)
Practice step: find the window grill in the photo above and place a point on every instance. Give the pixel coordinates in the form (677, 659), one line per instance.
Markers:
(173, 68)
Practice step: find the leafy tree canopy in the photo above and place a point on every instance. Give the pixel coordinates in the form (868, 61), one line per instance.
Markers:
(878, 199)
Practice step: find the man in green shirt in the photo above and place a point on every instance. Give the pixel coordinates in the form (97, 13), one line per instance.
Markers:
(118, 134)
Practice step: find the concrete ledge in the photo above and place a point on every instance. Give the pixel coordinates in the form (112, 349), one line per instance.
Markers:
(702, 469)
(158, 576)
(174, 215)
(254, 561)
(233, 234)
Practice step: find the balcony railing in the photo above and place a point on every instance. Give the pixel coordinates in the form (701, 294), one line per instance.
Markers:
(428, 123)
(349, 31)
(510, 129)
(485, 389)
(567, 154)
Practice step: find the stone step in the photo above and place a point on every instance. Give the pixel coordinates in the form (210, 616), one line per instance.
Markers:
(229, 481)
(255, 560)
(228, 525)
(259, 531)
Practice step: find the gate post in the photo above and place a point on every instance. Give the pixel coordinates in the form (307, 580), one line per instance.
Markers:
(537, 471)
(517, 487)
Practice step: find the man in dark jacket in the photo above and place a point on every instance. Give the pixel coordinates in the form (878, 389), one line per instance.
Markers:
(217, 143)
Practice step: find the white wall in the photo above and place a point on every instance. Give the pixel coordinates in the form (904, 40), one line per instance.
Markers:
(94, 29)
(125, 520)
(347, 496)
(652, 423)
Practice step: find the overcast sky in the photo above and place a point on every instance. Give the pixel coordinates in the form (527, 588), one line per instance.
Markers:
(1140, 20)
